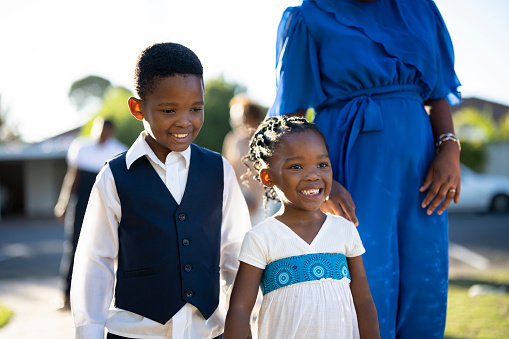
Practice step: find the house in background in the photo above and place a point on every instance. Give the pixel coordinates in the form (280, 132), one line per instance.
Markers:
(498, 152)
(498, 111)
(31, 176)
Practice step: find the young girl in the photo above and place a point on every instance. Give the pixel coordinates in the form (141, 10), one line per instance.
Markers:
(307, 263)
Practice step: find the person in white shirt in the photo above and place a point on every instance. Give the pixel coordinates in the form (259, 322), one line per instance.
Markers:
(165, 221)
(85, 158)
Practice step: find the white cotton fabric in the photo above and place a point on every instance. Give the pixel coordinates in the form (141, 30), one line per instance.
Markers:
(313, 309)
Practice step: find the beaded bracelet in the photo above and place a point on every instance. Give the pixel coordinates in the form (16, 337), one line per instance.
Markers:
(445, 137)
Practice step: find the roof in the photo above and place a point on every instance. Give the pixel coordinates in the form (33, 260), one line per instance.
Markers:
(53, 148)
(498, 110)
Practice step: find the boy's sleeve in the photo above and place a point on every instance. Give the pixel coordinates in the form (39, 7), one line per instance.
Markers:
(93, 274)
(236, 222)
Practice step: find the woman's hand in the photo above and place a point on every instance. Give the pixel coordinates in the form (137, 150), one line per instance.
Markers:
(443, 179)
(339, 202)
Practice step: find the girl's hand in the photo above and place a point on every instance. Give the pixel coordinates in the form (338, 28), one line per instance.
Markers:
(443, 179)
(339, 202)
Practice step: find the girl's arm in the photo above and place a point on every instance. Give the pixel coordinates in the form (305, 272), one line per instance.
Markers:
(243, 298)
(444, 172)
(364, 304)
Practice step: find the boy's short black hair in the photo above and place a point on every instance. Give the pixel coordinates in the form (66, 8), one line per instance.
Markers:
(162, 60)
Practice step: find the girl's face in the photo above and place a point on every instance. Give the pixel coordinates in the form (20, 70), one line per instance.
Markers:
(300, 171)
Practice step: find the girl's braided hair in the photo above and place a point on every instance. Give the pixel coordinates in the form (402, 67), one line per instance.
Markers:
(265, 142)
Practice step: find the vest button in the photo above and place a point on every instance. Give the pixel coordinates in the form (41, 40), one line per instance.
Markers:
(182, 217)
(187, 268)
(185, 242)
(189, 294)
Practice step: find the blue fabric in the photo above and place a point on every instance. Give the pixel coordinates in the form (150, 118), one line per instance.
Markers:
(302, 268)
(366, 68)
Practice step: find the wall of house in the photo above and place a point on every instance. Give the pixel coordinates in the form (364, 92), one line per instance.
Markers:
(498, 158)
(43, 179)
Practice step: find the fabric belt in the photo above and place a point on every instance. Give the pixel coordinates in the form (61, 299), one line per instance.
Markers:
(302, 268)
(359, 112)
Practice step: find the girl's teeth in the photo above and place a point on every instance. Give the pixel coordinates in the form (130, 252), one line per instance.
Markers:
(310, 192)
(180, 135)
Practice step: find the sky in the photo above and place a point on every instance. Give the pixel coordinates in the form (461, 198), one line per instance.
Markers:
(47, 45)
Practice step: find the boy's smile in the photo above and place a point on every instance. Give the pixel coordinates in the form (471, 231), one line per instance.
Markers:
(300, 171)
(172, 113)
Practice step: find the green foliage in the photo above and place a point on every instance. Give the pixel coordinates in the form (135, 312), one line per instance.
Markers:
(115, 108)
(504, 127)
(218, 94)
(476, 129)
(8, 132)
(84, 90)
(474, 125)
(5, 315)
(474, 155)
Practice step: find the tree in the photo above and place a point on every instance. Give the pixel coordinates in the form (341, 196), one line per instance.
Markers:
(8, 133)
(85, 91)
(475, 129)
(218, 94)
(474, 125)
(504, 127)
(114, 107)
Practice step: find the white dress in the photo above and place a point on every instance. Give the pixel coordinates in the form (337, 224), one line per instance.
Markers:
(312, 309)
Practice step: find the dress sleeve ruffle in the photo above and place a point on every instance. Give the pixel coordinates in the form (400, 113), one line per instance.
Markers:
(410, 30)
(447, 83)
(297, 72)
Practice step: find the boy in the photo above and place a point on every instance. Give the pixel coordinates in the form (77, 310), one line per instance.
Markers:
(157, 252)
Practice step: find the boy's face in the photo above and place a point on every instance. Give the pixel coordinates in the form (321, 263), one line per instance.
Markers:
(172, 113)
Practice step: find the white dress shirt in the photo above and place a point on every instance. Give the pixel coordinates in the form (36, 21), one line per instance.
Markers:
(95, 264)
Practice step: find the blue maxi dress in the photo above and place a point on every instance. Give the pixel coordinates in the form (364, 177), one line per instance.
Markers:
(366, 68)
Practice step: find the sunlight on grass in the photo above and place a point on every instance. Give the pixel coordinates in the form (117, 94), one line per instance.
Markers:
(480, 316)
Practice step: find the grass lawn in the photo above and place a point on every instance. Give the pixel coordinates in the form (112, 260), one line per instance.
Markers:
(479, 316)
(5, 315)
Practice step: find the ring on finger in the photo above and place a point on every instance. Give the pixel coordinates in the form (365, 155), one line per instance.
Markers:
(452, 190)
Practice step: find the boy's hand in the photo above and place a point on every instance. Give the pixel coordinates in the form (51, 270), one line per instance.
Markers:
(339, 202)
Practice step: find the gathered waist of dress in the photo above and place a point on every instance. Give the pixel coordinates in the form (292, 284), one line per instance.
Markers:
(376, 93)
(302, 268)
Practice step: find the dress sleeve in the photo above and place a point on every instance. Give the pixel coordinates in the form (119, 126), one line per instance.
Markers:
(297, 71)
(355, 247)
(447, 83)
(252, 251)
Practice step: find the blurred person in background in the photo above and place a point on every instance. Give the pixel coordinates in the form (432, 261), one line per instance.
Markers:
(85, 158)
(245, 116)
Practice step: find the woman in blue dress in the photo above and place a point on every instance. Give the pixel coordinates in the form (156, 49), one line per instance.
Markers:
(368, 68)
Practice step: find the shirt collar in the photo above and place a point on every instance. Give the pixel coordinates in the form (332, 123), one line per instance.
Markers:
(140, 148)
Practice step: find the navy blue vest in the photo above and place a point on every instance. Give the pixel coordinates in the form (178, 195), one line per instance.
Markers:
(169, 253)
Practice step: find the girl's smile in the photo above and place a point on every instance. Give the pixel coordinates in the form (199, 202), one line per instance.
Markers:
(300, 172)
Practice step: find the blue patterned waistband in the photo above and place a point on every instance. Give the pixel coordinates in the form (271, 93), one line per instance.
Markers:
(302, 268)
